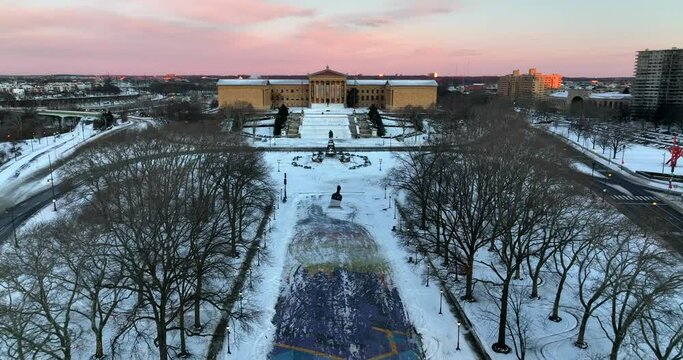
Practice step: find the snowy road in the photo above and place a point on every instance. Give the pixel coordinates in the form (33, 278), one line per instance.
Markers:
(338, 300)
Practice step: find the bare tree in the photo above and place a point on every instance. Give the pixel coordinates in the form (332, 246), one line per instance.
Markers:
(599, 271)
(576, 241)
(101, 284)
(661, 332)
(470, 219)
(34, 273)
(646, 277)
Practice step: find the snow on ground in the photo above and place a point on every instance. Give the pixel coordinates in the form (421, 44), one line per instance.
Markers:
(16, 174)
(583, 168)
(318, 126)
(635, 157)
(363, 196)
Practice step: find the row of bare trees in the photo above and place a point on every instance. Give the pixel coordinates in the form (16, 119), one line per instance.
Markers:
(146, 254)
(504, 210)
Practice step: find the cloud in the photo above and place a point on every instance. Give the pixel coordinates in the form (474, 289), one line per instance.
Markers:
(405, 10)
(238, 12)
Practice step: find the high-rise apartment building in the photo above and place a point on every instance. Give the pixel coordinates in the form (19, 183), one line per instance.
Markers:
(658, 88)
(532, 84)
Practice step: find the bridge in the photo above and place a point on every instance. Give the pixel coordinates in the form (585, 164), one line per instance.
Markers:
(56, 102)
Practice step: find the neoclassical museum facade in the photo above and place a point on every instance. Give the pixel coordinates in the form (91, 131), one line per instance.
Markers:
(327, 87)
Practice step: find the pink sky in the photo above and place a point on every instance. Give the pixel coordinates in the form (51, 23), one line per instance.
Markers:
(451, 37)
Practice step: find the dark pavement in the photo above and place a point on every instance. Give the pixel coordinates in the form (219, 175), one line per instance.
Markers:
(642, 206)
(19, 213)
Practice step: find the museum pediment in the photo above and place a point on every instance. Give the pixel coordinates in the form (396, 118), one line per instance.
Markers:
(328, 73)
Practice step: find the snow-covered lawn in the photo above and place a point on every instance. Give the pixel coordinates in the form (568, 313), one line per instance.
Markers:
(635, 157)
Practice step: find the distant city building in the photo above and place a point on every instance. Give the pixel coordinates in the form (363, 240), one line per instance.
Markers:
(658, 85)
(610, 100)
(532, 84)
(327, 87)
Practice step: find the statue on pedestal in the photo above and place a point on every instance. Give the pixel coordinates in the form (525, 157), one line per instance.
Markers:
(336, 198)
(331, 134)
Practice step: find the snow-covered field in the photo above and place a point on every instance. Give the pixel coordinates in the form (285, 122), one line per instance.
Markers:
(635, 157)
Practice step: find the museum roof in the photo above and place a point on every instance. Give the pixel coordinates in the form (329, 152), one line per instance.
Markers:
(288, 81)
(412, 83)
(243, 82)
(366, 82)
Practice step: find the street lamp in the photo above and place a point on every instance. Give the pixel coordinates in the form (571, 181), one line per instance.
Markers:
(14, 227)
(457, 347)
(251, 284)
(241, 305)
(228, 329)
(385, 191)
(428, 273)
(52, 183)
(440, 300)
(380, 164)
(258, 255)
(278, 165)
(389, 201)
(284, 199)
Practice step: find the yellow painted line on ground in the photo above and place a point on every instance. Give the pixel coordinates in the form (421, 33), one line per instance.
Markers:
(309, 351)
(390, 336)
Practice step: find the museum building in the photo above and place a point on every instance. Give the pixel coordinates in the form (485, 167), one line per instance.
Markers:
(327, 87)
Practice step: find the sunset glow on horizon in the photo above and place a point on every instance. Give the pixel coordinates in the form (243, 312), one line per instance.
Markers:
(448, 37)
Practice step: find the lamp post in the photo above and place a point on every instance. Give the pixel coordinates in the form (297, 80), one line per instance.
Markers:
(278, 165)
(385, 191)
(274, 213)
(284, 199)
(258, 255)
(457, 347)
(428, 273)
(241, 305)
(380, 164)
(251, 284)
(265, 241)
(440, 300)
(389, 201)
(14, 227)
(228, 329)
(52, 183)
(394, 211)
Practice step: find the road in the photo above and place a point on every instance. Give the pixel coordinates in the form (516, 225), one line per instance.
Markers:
(644, 207)
(21, 212)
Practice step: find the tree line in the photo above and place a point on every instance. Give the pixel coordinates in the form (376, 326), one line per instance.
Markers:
(498, 206)
(146, 253)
